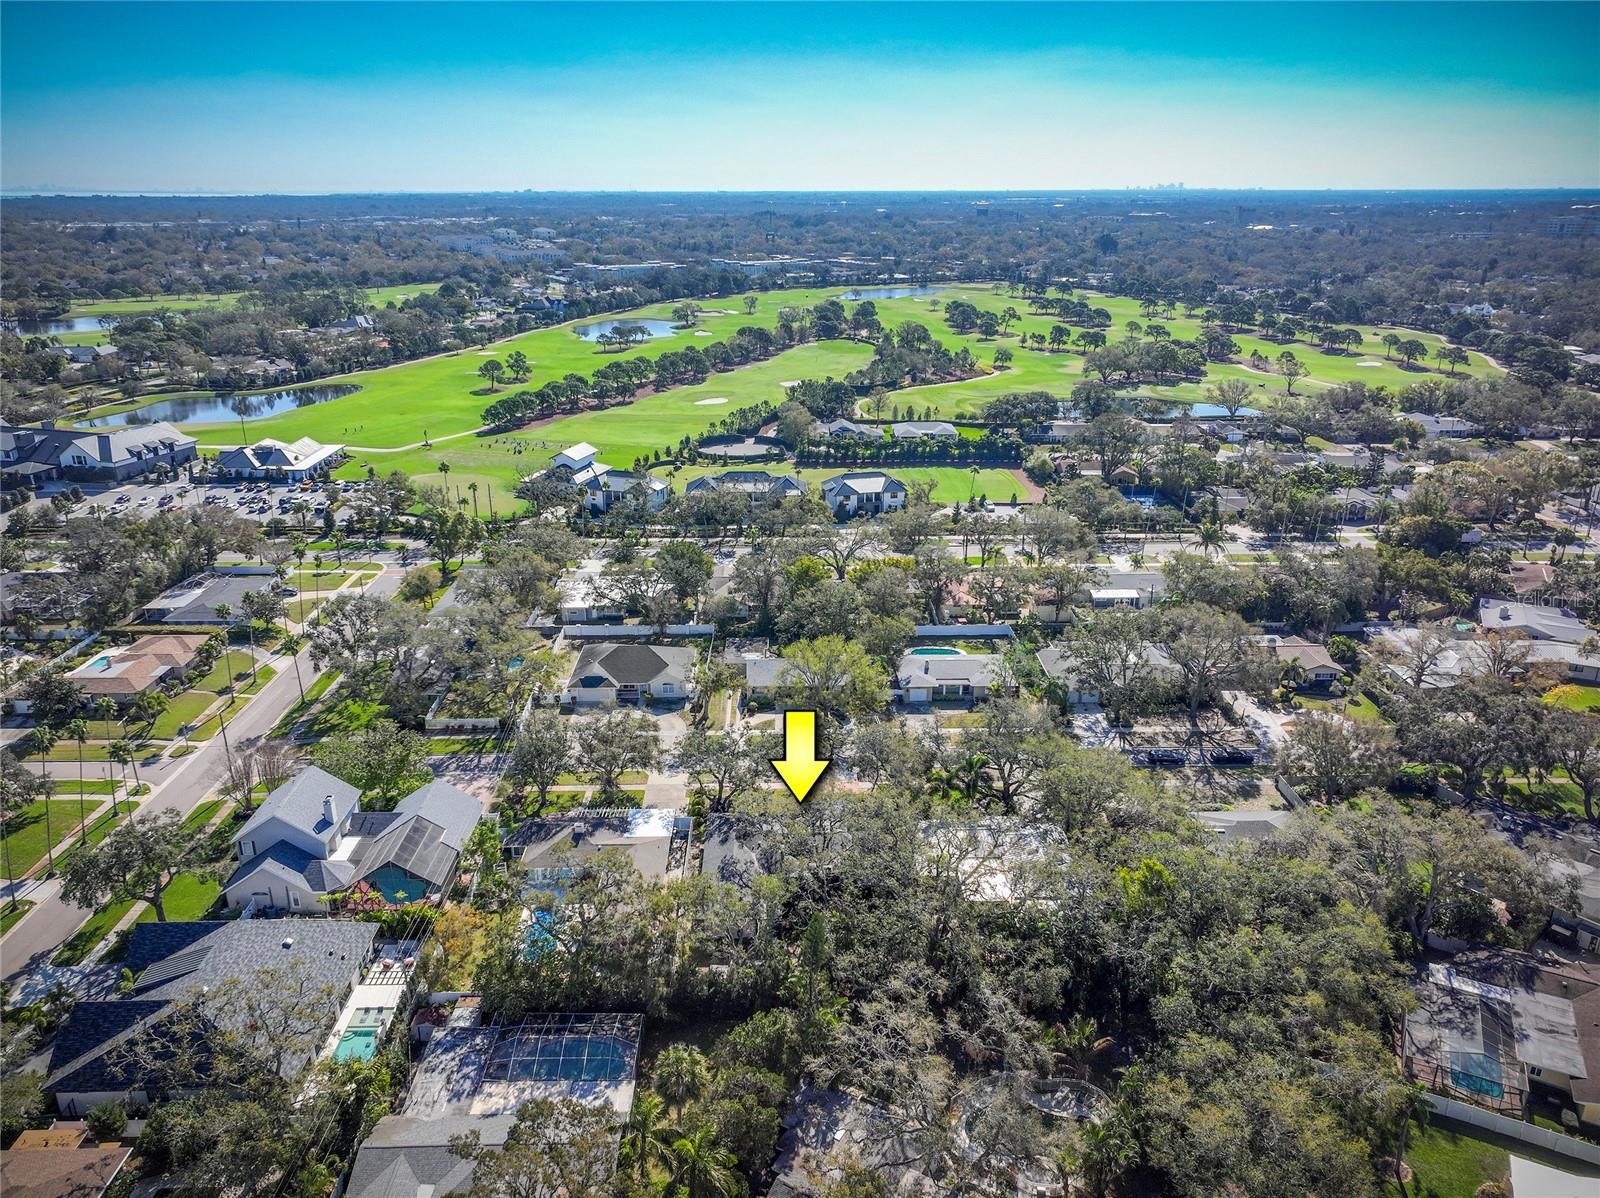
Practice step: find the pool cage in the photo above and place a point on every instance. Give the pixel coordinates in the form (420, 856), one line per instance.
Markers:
(593, 1048)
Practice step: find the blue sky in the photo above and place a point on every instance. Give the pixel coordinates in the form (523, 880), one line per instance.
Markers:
(301, 97)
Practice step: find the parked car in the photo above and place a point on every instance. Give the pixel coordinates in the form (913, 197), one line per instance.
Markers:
(1230, 756)
(1167, 758)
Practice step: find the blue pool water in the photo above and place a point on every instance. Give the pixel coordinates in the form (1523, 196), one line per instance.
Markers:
(398, 886)
(357, 1044)
(652, 328)
(539, 939)
(935, 652)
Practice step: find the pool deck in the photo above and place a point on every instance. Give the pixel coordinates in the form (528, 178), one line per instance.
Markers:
(379, 989)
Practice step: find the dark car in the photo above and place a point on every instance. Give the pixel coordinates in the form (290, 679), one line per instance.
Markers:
(1167, 758)
(1232, 757)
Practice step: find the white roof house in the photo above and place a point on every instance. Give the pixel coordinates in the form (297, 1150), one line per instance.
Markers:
(604, 487)
(911, 430)
(270, 458)
(575, 457)
(925, 677)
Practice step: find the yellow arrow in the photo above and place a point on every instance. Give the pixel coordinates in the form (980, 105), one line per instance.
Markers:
(799, 767)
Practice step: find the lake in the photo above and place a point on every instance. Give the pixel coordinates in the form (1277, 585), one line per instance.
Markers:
(652, 328)
(888, 293)
(1127, 406)
(56, 327)
(215, 409)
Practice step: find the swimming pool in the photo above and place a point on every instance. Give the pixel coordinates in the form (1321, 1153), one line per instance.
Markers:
(937, 651)
(357, 1044)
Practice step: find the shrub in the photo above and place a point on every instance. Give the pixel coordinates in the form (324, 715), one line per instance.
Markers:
(107, 1121)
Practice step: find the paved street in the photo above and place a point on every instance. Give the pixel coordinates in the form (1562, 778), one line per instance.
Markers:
(179, 785)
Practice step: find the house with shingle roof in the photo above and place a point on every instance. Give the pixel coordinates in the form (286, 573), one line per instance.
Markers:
(173, 963)
(917, 430)
(759, 486)
(281, 461)
(863, 493)
(618, 673)
(309, 839)
(924, 677)
(113, 454)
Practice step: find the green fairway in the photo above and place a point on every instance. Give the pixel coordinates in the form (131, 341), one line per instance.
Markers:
(622, 433)
(25, 839)
(439, 396)
(1057, 372)
(442, 398)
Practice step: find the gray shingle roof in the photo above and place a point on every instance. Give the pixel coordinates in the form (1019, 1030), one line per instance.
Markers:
(635, 665)
(299, 802)
(171, 961)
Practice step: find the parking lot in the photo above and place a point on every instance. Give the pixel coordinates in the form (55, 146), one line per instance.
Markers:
(254, 500)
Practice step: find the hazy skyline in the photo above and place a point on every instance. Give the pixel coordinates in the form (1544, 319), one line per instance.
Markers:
(420, 97)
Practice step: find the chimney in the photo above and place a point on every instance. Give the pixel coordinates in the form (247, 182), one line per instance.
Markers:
(47, 425)
(1505, 612)
(925, 664)
(327, 809)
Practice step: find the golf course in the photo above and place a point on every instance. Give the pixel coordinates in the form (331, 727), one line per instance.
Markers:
(440, 400)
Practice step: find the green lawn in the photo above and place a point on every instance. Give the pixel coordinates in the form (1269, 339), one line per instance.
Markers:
(10, 915)
(83, 941)
(212, 724)
(189, 897)
(1451, 1165)
(89, 786)
(319, 686)
(1574, 697)
(1556, 797)
(443, 396)
(25, 842)
(202, 815)
(186, 708)
(347, 715)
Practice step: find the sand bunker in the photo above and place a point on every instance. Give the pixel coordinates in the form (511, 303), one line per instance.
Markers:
(790, 383)
(700, 403)
(702, 333)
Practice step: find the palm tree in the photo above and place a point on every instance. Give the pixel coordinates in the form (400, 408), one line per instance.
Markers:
(44, 739)
(124, 754)
(704, 1167)
(291, 644)
(472, 488)
(223, 612)
(682, 1073)
(105, 710)
(649, 1135)
(1211, 537)
(78, 730)
(148, 706)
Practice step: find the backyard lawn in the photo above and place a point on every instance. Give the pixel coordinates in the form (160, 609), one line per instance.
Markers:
(1451, 1165)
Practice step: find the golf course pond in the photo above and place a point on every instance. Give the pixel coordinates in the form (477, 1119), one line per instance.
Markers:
(597, 330)
(215, 409)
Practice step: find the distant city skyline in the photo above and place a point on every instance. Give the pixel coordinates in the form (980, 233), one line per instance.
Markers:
(324, 98)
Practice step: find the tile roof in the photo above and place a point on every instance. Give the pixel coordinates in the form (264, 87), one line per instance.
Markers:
(60, 1172)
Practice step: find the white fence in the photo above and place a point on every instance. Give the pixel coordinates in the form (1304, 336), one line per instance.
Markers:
(1515, 1129)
